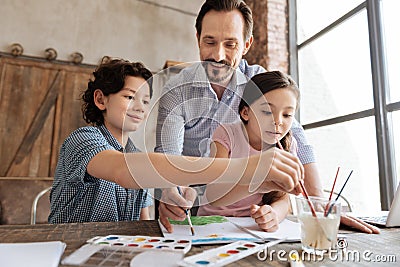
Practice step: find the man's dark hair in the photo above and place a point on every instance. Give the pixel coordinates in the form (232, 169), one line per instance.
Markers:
(227, 5)
(109, 77)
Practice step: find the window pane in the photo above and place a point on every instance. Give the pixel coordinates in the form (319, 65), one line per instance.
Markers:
(335, 72)
(314, 15)
(350, 146)
(391, 21)
(396, 132)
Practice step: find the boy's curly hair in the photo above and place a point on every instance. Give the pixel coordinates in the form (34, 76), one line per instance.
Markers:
(109, 77)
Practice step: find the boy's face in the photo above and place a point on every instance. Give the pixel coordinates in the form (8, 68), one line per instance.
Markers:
(221, 44)
(270, 117)
(128, 108)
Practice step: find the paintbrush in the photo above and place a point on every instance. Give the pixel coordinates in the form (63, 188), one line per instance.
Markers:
(187, 212)
(305, 194)
(330, 195)
(302, 186)
(249, 232)
(338, 195)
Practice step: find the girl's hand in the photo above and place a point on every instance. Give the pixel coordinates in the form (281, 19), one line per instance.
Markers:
(265, 216)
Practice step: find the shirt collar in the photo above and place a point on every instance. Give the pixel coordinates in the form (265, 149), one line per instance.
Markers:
(130, 147)
(241, 78)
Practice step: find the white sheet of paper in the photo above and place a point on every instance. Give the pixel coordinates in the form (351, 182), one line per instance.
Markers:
(157, 258)
(227, 232)
(36, 254)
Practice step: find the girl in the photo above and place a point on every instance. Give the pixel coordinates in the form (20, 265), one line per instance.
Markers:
(267, 110)
(96, 181)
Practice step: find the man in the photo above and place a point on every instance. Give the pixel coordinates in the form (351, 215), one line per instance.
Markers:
(202, 96)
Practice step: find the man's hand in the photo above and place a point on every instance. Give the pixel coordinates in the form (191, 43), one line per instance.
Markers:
(285, 172)
(172, 205)
(265, 216)
(358, 224)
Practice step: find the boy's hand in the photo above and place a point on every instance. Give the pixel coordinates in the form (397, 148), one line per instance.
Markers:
(284, 174)
(265, 216)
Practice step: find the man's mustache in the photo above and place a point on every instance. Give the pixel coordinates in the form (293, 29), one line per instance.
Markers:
(219, 62)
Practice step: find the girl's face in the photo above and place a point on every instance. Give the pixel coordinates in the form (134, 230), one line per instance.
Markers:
(270, 117)
(127, 109)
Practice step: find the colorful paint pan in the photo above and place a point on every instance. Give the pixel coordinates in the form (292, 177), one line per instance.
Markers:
(142, 243)
(222, 255)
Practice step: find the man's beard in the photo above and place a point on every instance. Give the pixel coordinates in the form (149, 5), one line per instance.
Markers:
(218, 76)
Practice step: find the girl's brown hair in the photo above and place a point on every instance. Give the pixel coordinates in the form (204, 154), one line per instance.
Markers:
(259, 85)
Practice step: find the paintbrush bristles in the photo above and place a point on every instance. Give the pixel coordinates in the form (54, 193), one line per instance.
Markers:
(190, 223)
(192, 230)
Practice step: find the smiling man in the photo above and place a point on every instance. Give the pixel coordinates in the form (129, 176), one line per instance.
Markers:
(204, 95)
(222, 44)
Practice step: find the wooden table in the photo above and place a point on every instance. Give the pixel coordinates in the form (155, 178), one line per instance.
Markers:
(361, 248)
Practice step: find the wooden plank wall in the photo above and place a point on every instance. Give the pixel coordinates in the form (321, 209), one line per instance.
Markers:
(39, 107)
(17, 195)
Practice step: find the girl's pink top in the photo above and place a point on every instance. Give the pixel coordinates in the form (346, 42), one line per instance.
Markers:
(233, 138)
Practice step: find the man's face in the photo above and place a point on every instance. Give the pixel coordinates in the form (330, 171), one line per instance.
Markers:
(221, 44)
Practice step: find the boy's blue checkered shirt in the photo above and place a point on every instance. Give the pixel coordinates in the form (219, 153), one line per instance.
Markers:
(77, 196)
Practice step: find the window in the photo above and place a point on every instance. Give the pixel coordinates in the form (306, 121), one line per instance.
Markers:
(391, 20)
(340, 72)
(314, 15)
(396, 132)
(342, 48)
(342, 145)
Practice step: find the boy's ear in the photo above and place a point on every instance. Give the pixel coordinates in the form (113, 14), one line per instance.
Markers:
(99, 99)
(244, 113)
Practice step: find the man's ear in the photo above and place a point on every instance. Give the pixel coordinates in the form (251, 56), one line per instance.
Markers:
(99, 99)
(244, 113)
(198, 39)
(247, 45)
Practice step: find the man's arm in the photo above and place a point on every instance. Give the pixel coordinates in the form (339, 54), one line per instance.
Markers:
(312, 180)
(305, 152)
(170, 123)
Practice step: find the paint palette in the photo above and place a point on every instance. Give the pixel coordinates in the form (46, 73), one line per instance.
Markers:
(142, 242)
(120, 250)
(222, 255)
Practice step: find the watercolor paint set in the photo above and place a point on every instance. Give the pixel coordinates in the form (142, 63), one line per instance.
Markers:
(142, 242)
(222, 255)
(120, 250)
